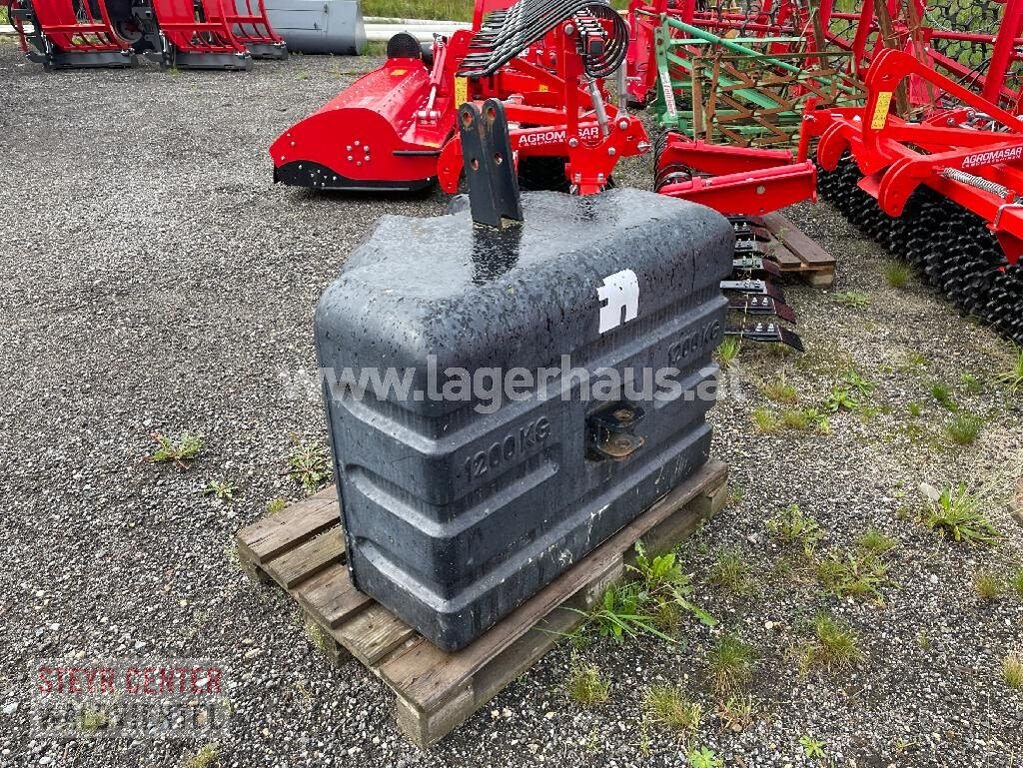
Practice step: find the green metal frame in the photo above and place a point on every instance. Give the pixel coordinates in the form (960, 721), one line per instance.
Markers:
(686, 57)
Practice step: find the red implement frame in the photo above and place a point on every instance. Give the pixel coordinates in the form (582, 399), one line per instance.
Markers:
(204, 43)
(252, 28)
(733, 180)
(65, 35)
(972, 155)
(561, 118)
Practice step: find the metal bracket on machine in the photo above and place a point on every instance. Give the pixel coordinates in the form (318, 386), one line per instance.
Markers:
(489, 165)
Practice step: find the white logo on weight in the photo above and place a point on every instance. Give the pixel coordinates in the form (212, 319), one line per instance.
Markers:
(619, 297)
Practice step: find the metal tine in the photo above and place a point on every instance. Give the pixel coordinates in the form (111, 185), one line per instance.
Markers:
(761, 305)
(755, 264)
(768, 333)
(506, 36)
(757, 287)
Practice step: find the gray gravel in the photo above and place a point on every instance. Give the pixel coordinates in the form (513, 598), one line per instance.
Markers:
(153, 279)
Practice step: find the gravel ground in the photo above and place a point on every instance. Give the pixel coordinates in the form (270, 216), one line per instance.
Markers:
(153, 279)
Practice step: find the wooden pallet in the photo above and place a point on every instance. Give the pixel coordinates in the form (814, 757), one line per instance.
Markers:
(302, 549)
(797, 254)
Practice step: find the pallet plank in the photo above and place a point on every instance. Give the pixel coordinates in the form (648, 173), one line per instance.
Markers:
(425, 674)
(373, 633)
(275, 534)
(797, 241)
(308, 559)
(331, 597)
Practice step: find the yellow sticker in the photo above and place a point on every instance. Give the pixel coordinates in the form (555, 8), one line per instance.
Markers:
(461, 90)
(543, 88)
(398, 72)
(884, 100)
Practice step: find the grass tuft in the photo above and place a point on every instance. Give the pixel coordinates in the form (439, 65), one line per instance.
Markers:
(797, 421)
(834, 646)
(766, 421)
(964, 428)
(586, 687)
(956, 515)
(276, 506)
(1012, 671)
(987, 585)
(1017, 583)
(736, 712)
(730, 571)
(873, 542)
(668, 706)
(731, 663)
(897, 274)
(1012, 379)
(781, 391)
(916, 410)
(728, 351)
(943, 395)
(971, 384)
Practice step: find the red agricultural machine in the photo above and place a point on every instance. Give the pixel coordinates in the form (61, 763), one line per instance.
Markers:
(394, 128)
(186, 34)
(932, 165)
(550, 63)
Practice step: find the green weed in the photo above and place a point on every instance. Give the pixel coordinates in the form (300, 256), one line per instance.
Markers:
(224, 490)
(92, 720)
(180, 451)
(841, 399)
(797, 421)
(853, 299)
(873, 542)
(856, 383)
(736, 713)
(1017, 582)
(812, 748)
(703, 757)
(956, 515)
(791, 526)
(309, 464)
(916, 410)
(207, 757)
(852, 575)
(276, 506)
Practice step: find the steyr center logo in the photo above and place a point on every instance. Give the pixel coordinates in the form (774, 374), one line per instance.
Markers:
(619, 299)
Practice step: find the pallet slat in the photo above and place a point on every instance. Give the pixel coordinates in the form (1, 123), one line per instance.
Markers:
(308, 559)
(275, 534)
(797, 253)
(435, 691)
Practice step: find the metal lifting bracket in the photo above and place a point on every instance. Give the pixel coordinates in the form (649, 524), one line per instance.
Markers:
(489, 164)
